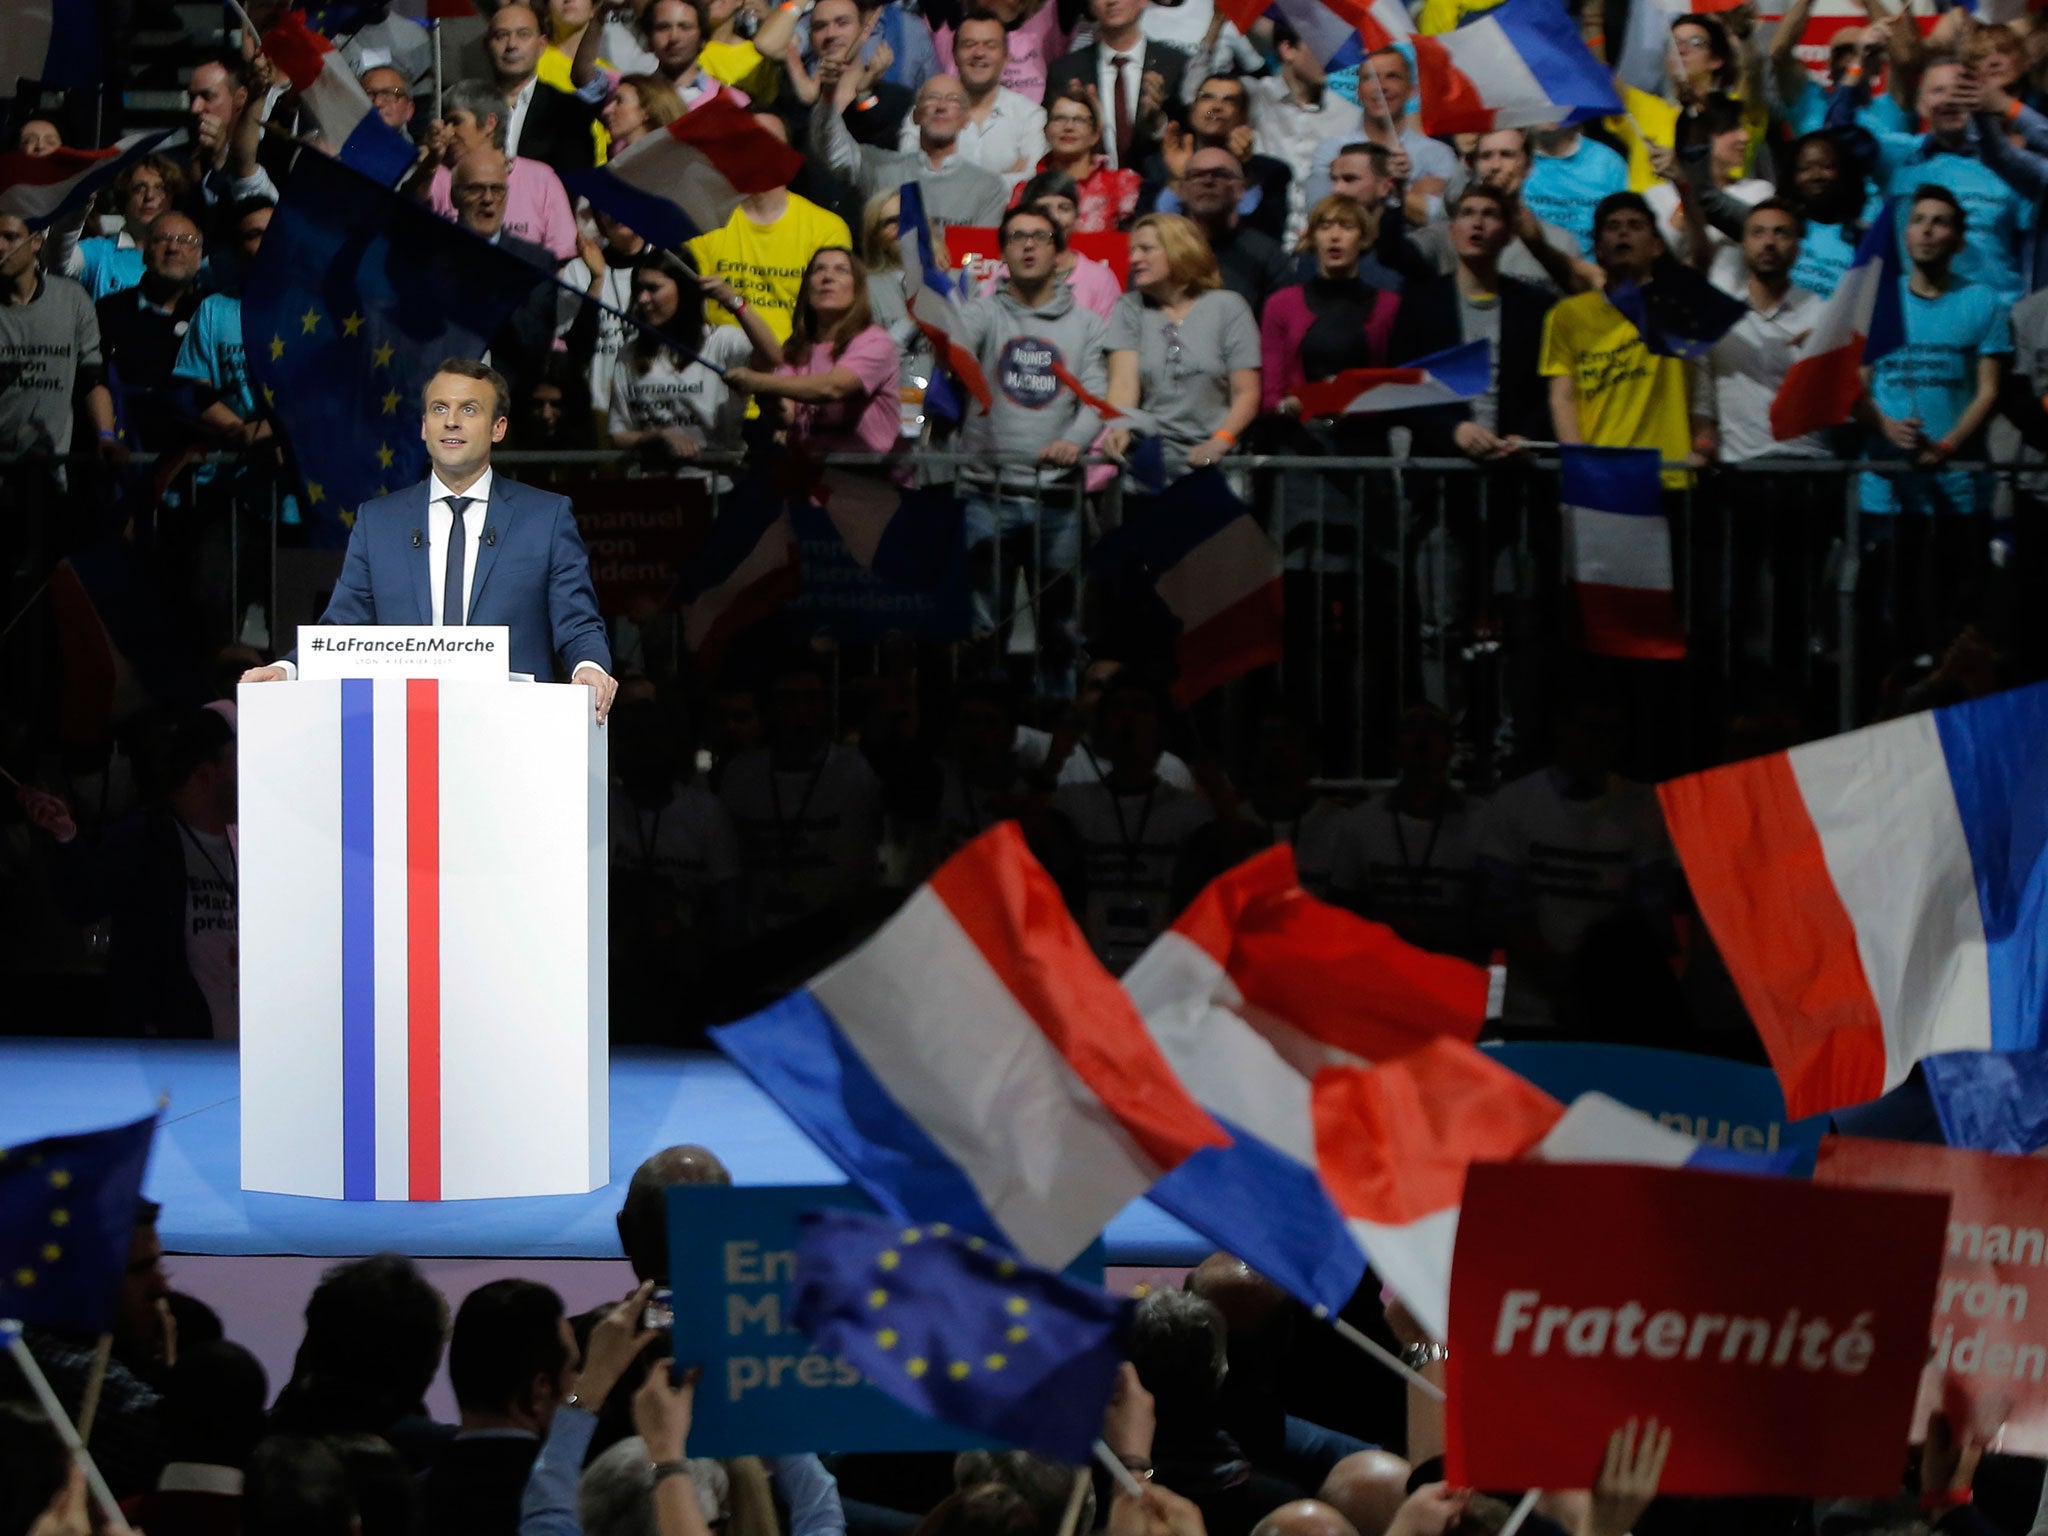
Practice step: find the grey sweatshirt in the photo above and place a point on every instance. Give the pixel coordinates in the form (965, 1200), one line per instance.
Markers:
(1017, 348)
(957, 192)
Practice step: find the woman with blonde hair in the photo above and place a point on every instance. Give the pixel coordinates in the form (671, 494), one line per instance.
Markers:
(638, 106)
(881, 252)
(1182, 347)
(1335, 320)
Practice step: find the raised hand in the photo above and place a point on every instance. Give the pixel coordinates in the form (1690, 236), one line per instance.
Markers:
(1628, 1479)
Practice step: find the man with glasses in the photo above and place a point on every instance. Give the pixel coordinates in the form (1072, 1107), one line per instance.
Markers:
(390, 95)
(481, 184)
(1252, 262)
(1004, 132)
(141, 329)
(956, 190)
(1220, 118)
(535, 207)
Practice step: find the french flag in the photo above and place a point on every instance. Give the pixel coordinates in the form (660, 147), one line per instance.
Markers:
(974, 1063)
(1327, 29)
(1862, 321)
(40, 189)
(1393, 1143)
(1443, 378)
(678, 183)
(52, 42)
(1519, 65)
(1881, 896)
(747, 568)
(339, 104)
(931, 299)
(1620, 552)
(1255, 988)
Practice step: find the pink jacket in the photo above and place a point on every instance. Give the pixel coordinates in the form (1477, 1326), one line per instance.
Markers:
(1285, 326)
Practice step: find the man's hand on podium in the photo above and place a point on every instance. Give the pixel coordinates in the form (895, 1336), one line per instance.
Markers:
(599, 682)
(271, 674)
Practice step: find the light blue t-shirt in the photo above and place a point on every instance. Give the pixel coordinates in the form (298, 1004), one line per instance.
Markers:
(109, 266)
(1824, 255)
(1934, 377)
(1565, 189)
(1808, 111)
(1997, 216)
(211, 353)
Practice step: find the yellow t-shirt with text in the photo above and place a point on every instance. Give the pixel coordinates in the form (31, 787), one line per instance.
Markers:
(765, 262)
(1629, 396)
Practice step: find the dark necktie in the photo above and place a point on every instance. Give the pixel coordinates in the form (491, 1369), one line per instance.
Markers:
(458, 551)
(1122, 108)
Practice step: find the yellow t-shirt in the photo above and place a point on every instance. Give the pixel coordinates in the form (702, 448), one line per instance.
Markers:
(765, 262)
(1446, 15)
(740, 64)
(1629, 396)
(554, 70)
(1648, 120)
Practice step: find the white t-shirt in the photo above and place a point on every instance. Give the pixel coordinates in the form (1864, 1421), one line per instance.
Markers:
(1130, 845)
(611, 330)
(808, 839)
(1412, 874)
(687, 844)
(675, 393)
(212, 951)
(1086, 766)
(1726, 270)
(1315, 836)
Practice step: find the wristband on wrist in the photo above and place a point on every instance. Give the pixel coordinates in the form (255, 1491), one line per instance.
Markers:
(1229, 437)
(661, 1469)
(107, 435)
(1941, 1499)
(736, 305)
(2012, 110)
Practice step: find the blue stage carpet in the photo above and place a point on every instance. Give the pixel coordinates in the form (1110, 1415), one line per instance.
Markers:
(659, 1098)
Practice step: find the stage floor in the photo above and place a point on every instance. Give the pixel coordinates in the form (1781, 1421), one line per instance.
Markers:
(659, 1098)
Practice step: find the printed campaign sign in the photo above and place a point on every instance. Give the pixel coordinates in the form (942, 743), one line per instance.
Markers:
(1777, 1327)
(766, 1389)
(1989, 1346)
(1728, 1104)
(471, 653)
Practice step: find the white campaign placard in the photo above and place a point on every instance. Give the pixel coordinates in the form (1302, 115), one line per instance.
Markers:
(473, 653)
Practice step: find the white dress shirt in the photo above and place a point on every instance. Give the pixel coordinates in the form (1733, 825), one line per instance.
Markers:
(1013, 131)
(1105, 90)
(515, 118)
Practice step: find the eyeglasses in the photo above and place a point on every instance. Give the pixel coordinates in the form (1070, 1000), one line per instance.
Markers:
(1028, 237)
(177, 240)
(1174, 350)
(390, 93)
(1215, 173)
(482, 189)
(1694, 44)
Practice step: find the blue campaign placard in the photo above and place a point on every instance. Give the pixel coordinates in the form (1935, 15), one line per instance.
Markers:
(1730, 1104)
(766, 1389)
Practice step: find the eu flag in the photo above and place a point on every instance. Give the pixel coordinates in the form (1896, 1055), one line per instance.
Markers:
(356, 295)
(1681, 314)
(67, 1213)
(958, 1330)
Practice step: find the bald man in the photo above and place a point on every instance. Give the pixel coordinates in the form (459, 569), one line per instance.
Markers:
(1304, 1517)
(1367, 1487)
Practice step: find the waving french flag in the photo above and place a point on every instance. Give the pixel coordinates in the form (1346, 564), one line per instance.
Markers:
(1443, 378)
(1620, 552)
(677, 183)
(1862, 321)
(339, 104)
(1255, 988)
(973, 1063)
(1879, 897)
(53, 42)
(1519, 65)
(931, 298)
(40, 189)
(1393, 1143)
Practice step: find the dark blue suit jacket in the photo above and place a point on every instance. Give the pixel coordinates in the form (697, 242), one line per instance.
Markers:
(534, 578)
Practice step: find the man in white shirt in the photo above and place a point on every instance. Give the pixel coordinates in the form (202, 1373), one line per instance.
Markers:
(1005, 132)
(1424, 166)
(1289, 120)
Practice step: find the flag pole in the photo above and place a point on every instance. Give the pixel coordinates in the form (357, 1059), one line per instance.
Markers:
(1076, 1497)
(10, 1333)
(1390, 1360)
(434, 23)
(1522, 1512)
(1119, 1473)
(89, 1402)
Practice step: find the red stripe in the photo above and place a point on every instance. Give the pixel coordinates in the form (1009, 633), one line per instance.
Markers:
(1630, 621)
(1759, 877)
(18, 168)
(740, 149)
(1011, 911)
(1451, 101)
(960, 362)
(423, 933)
(1818, 392)
(297, 49)
(1240, 639)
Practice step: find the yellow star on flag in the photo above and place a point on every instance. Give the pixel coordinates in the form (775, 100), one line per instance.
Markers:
(351, 325)
(391, 403)
(309, 321)
(381, 354)
(384, 455)
(269, 395)
(276, 347)
(315, 492)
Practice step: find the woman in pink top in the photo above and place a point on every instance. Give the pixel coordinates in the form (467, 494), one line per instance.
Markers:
(837, 377)
(1094, 284)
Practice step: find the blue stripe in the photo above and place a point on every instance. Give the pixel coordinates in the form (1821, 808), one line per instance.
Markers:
(1711, 1159)
(1546, 36)
(1997, 752)
(1624, 480)
(652, 217)
(358, 943)
(799, 1058)
(1266, 1208)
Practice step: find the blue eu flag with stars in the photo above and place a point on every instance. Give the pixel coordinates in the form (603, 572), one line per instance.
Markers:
(954, 1328)
(354, 298)
(67, 1213)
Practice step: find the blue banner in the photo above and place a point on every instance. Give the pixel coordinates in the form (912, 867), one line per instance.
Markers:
(767, 1390)
(916, 586)
(1729, 1104)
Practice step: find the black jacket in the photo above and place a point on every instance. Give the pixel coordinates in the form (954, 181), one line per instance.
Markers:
(1428, 321)
(557, 131)
(135, 878)
(1078, 67)
(474, 1485)
(1270, 176)
(527, 337)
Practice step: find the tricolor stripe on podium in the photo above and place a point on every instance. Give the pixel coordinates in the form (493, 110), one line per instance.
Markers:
(391, 950)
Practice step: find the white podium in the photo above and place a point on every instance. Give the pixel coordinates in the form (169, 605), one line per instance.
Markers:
(423, 926)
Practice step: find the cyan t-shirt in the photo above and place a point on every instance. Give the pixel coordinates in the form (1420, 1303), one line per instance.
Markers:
(1934, 377)
(212, 354)
(109, 266)
(1824, 255)
(1996, 215)
(1565, 189)
(1807, 113)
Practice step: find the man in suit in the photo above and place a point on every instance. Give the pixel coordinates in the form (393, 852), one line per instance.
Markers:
(480, 188)
(1131, 77)
(541, 123)
(518, 560)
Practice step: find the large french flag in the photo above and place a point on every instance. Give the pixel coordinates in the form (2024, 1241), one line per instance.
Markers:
(1862, 320)
(974, 1063)
(931, 298)
(1882, 896)
(748, 567)
(1255, 988)
(1443, 378)
(40, 189)
(53, 42)
(1519, 65)
(678, 183)
(339, 104)
(1619, 552)
(1393, 1142)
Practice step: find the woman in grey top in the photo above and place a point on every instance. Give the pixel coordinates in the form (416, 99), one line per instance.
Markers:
(1182, 347)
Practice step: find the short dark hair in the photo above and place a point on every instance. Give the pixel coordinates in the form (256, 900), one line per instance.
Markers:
(643, 1215)
(1381, 157)
(1934, 192)
(1051, 184)
(1720, 114)
(233, 65)
(199, 738)
(1485, 190)
(1035, 211)
(506, 1333)
(376, 1324)
(482, 372)
(246, 206)
(986, 1509)
(1177, 1346)
(296, 1486)
(1778, 205)
(213, 1404)
(1391, 52)
(1620, 202)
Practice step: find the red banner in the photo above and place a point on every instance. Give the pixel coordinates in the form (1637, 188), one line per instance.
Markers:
(1778, 1328)
(1988, 1359)
(1111, 247)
